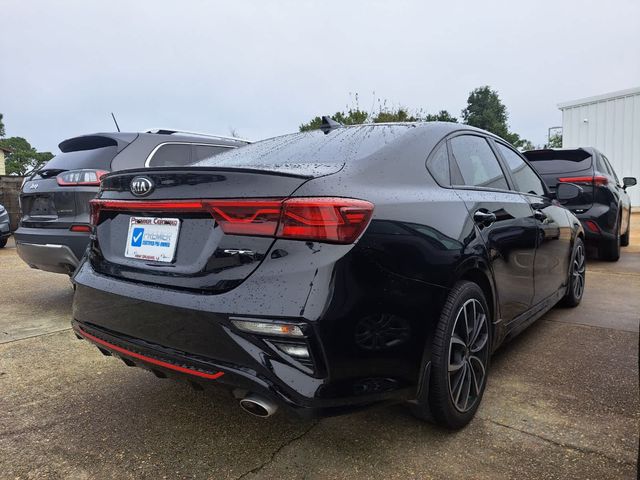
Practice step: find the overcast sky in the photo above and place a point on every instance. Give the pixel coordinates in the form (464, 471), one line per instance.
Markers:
(263, 67)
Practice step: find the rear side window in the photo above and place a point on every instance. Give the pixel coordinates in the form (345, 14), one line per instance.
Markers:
(171, 155)
(526, 179)
(477, 163)
(613, 172)
(438, 166)
(602, 167)
(202, 152)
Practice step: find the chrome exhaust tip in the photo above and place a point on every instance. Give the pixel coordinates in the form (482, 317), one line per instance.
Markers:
(258, 406)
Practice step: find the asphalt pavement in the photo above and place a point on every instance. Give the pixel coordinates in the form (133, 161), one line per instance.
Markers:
(561, 402)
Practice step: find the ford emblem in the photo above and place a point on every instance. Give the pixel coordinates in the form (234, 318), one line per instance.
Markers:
(141, 186)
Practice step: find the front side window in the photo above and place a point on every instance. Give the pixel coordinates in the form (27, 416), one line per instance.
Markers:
(478, 165)
(525, 178)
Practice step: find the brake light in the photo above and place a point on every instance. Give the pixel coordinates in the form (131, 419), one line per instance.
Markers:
(323, 219)
(246, 217)
(339, 220)
(84, 177)
(80, 228)
(597, 180)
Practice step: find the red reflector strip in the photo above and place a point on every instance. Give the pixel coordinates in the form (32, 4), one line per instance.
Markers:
(80, 228)
(144, 358)
(593, 226)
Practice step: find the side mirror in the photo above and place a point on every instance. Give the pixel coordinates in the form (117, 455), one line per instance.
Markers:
(567, 191)
(629, 182)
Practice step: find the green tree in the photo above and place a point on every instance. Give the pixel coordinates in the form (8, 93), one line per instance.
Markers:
(555, 141)
(353, 116)
(23, 158)
(400, 114)
(1, 126)
(441, 116)
(356, 116)
(485, 110)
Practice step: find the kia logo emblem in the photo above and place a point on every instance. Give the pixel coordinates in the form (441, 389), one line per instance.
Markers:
(141, 186)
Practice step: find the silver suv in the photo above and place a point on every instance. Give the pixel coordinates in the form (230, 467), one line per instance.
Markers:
(54, 202)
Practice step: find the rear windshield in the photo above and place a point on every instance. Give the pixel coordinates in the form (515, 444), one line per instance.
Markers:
(310, 153)
(559, 162)
(98, 158)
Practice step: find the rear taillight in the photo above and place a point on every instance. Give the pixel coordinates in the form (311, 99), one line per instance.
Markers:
(597, 180)
(339, 220)
(84, 177)
(246, 217)
(323, 219)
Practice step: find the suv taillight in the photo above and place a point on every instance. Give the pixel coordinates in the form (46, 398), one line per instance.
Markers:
(322, 219)
(597, 180)
(84, 177)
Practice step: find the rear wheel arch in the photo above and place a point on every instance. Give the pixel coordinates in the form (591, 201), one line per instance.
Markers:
(482, 278)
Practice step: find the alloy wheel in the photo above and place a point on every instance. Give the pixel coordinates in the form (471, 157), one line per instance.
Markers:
(578, 272)
(468, 355)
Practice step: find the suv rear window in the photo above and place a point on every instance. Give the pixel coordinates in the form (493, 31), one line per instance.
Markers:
(98, 158)
(559, 162)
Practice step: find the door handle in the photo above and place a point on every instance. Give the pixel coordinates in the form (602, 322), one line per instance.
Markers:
(539, 215)
(484, 218)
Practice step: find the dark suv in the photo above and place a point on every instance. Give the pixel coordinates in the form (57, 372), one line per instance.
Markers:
(5, 230)
(603, 205)
(54, 226)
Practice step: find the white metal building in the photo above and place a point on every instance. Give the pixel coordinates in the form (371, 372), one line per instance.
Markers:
(610, 123)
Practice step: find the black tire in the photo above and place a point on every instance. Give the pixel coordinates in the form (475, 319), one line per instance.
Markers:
(454, 396)
(3, 242)
(624, 239)
(577, 276)
(609, 249)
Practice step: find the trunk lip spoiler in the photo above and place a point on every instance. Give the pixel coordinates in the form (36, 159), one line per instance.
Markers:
(194, 169)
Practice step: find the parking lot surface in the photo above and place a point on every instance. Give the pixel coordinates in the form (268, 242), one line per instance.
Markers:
(561, 402)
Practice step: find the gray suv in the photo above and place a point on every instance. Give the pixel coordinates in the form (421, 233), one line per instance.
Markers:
(55, 225)
(5, 231)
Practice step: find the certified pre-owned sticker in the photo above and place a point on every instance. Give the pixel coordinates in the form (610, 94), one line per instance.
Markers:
(151, 238)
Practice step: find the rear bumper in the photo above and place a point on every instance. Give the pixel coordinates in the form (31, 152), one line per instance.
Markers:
(49, 257)
(296, 393)
(52, 250)
(149, 325)
(599, 223)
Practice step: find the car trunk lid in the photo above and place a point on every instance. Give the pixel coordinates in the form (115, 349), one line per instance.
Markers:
(190, 204)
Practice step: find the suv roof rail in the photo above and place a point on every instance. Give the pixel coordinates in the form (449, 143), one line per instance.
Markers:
(170, 131)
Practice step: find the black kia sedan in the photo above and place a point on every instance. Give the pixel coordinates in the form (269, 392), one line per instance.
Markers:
(331, 270)
(603, 206)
